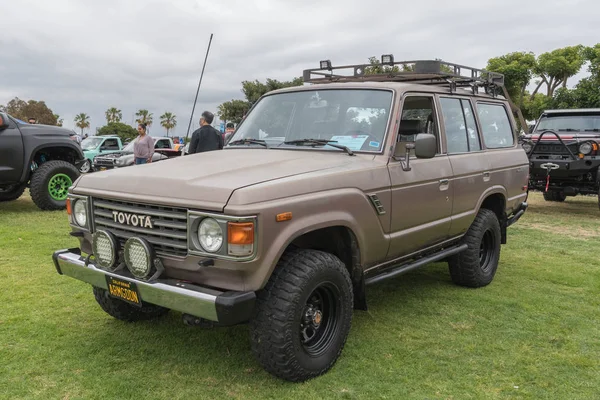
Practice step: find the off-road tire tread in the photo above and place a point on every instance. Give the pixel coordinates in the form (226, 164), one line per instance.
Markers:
(269, 332)
(464, 267)
(39, 183)
(13, 195)
(554, 196)
(123, 311)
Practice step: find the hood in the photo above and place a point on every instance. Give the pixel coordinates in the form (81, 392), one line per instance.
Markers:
(45, 130)
(207, 180)
(116, 154)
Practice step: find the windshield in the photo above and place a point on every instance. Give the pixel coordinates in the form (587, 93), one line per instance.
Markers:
(570, 122)
(356, 118)
(91, 143)
(129, 147)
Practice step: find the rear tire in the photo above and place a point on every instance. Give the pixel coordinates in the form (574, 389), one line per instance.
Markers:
(50, 183)
(555, 195)
(123, 311)
(303, 315)
(476, 266)
(12, 192)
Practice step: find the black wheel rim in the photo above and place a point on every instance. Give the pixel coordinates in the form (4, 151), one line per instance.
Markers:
(320, 320)
(487, 250)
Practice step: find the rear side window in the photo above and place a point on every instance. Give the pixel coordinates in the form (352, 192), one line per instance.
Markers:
(462, 135)
(495, 126)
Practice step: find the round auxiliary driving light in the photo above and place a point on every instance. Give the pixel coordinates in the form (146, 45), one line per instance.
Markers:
(585, 148)
(105, 249)
(210, 235)
(139, 257)
(80, 213)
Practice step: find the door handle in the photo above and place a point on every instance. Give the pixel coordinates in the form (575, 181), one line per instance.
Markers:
(444, 183)
(486, 176)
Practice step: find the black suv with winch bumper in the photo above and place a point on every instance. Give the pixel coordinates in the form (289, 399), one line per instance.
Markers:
(564, 153)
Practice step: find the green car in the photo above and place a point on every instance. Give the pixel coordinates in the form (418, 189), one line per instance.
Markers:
(93, 146)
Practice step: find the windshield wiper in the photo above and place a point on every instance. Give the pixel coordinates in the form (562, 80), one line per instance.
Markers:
(593, 130)
(568, 130)
(249, 141)
(320, 142)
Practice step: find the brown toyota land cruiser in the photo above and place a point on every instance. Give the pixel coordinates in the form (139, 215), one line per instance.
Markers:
(323, 190)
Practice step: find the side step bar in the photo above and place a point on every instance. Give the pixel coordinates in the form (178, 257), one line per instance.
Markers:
(403, 268)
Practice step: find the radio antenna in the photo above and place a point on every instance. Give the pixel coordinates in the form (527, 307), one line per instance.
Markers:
(198, 90)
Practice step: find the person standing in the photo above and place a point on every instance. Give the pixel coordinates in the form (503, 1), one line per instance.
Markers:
(143, 148)
(206, 138)
(229, 131)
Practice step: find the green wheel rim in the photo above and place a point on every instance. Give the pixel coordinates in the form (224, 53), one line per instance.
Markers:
(58, 187)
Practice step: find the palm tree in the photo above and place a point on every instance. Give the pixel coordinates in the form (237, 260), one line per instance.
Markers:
(168, 121)
(59, 120)
(82, 121)
(144, 117)
(113, 114)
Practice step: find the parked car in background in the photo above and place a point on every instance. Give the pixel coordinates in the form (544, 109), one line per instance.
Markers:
(163, 149)
(564, 154)
(95, 145)
(41, 157)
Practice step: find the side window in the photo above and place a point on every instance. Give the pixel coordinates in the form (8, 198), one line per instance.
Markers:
(454, 124)
(162, 144)
(111, 144)
(495, 125)
(418, 116)
(472, 131)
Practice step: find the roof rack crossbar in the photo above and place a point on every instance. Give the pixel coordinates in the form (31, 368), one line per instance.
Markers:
(432, 72)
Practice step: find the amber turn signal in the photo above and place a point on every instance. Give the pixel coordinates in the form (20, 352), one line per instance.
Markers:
(240, 232)
(284, 217)
(69, 209)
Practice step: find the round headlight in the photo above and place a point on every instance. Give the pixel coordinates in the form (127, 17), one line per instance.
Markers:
(104, 247)
(585, 148)
(527, 147)
(138, 257)
(80, 212)
(210, 235)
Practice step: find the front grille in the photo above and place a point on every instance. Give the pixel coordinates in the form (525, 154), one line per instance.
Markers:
(104, 162)
(554, 149)
(168, 235)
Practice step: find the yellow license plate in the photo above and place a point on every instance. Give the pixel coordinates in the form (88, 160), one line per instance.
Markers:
(102, 168)
(124, 290)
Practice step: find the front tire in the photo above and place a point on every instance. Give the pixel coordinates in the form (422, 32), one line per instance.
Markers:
(476, 266)
(12, 192)
(123, 311)
(85, 167)
(50, 184)
(303, 315)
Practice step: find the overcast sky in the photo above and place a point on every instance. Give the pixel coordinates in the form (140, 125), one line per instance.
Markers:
(89, 55)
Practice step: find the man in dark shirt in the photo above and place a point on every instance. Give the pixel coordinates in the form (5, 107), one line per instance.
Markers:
(206, 138)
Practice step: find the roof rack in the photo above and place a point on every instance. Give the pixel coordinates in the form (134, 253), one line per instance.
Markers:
(426, 72)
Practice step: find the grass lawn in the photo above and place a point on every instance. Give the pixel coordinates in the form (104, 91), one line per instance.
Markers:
(534, 333)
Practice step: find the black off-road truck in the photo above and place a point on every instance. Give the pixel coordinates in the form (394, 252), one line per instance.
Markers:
(564, 154)
(42, 157)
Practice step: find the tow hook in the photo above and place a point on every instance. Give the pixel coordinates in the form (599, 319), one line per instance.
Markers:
(549, 167)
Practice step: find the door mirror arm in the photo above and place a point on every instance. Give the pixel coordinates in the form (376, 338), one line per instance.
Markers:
(405, 162)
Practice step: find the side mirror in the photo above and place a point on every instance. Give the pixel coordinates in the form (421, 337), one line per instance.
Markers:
(3, 121)
(425, 145)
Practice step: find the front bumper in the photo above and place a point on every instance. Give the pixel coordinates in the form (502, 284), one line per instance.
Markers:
(566, 168)
(226, 308)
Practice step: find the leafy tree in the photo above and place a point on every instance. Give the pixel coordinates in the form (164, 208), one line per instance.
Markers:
(82, 121)
(533, 107)
(233, 110)
(119, 129)
(113, 115)
(517, 69)
(555, 67)
(59, 120)
(168, 121)
(144, 117)
(30, 109)
(253, 90)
